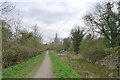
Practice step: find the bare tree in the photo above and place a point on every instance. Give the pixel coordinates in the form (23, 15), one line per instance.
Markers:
(35, 29)
(5, 7)
(16, 24)
(105, 18)
(36, 33)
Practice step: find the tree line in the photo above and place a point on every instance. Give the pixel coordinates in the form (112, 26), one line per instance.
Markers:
(18, 44)
(104, 20)
(102, 37)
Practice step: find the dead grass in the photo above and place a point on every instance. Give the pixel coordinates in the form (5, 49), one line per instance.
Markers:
(89, 70)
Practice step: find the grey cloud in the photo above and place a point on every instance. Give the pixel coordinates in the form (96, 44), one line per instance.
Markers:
(48, 17)
(52, 17)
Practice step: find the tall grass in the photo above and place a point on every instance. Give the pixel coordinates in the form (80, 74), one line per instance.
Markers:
(90, 70)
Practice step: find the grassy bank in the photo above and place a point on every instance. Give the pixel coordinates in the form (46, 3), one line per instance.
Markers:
(25, 69)
(90, 70)
(61, 69)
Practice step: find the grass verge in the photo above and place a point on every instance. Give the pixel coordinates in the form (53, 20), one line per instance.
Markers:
(61, 69)
(25, 69)
(90, 70)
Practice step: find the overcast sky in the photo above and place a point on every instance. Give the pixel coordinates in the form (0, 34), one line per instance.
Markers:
(52, 16)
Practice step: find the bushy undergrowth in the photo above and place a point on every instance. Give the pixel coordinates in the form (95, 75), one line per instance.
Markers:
(112, 61)
(24, 69)
(17, 50)
(115, 50)
(93, 49)
(17, 55)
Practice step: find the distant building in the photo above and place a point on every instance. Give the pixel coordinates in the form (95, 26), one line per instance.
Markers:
(57, 40)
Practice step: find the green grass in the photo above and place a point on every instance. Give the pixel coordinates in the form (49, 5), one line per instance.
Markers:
(25, 69)
(87, 69)
(61, 69)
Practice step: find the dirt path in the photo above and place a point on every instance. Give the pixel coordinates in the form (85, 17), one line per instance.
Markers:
(45, 70)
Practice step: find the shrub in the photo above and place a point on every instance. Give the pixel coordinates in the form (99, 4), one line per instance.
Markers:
(17, 55)
(114, 51)
(93, 49)
(17, 50)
